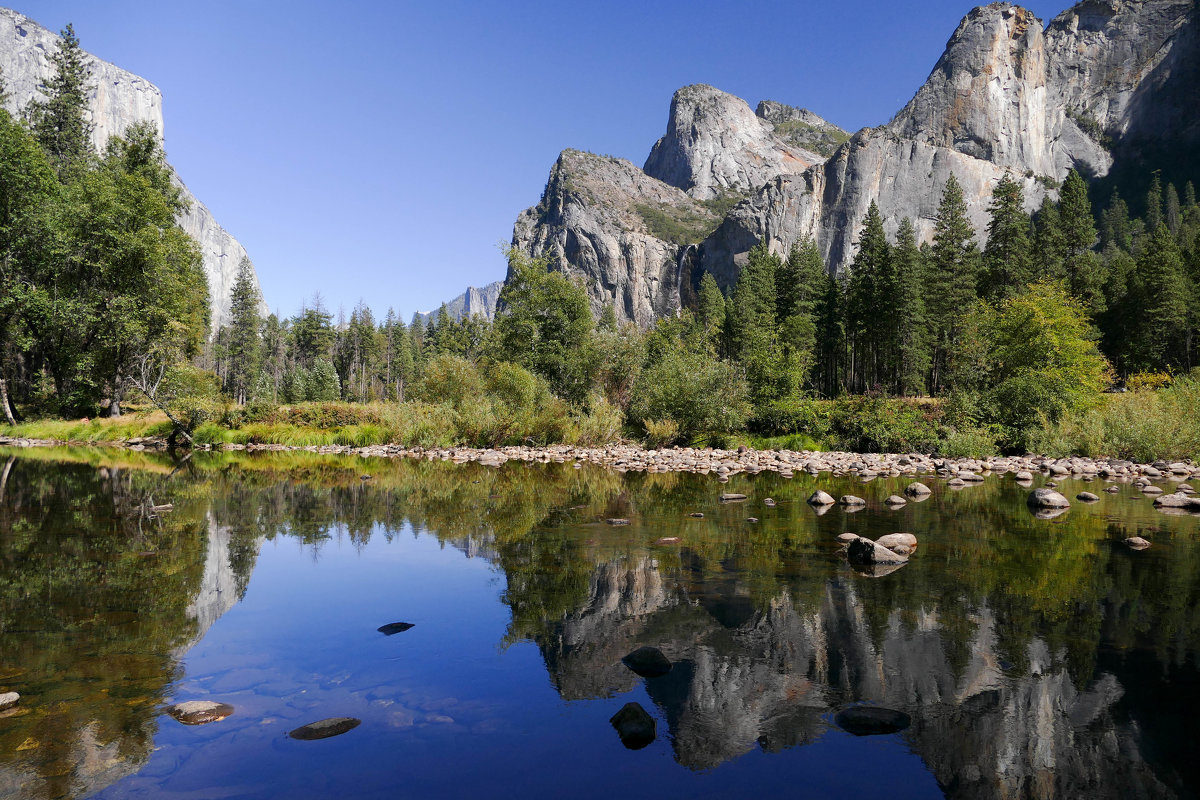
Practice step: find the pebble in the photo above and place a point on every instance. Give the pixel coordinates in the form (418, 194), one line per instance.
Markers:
(199, 712)
(325, 728)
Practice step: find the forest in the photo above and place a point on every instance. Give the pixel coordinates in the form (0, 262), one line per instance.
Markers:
(1070, 329)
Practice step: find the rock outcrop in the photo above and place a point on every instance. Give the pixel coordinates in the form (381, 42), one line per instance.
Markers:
(474, 301)
(117, 100)
(1106, 80)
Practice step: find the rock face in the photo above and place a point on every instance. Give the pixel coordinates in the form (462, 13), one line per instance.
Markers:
(1106, 80)
(474, 301)
(603, 220)
(715, 145)
(117, 100)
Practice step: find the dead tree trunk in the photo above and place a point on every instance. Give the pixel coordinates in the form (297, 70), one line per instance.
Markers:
(8, 414)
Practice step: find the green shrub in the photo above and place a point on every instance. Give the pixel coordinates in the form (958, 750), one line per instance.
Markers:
(699, 393)
(661, 433)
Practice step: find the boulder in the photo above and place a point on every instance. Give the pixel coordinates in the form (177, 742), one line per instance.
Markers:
(1024, 475)
(731, 497)
(863, 551)
(819, 498)
(199, 712)
(1113, 489)
(392, 628)
(1087, 497)
(634, 726)
(649, 662)
(617, 521)
(1151, 489)
(325, 728)
(846, 538)
(895, 501)
(769, 502)
(917, 489)
(1176, 500)
(1047, 498)
(851, 500)
(1136, 543)
(8, 700)
(871, 720)
(893, 540)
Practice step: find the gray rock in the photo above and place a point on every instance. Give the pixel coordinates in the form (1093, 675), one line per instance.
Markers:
(199, 712)
(617, 521)
(894, 540)
(1151, 489)
(325, 728)
(1047, 498)
(635, 727)
(871, 720)
(1177, 500)
(895, 500)
(820, 498)
(8, 700)
(1087, 497)
(851, 500)
(917, 489)
(1136, 543)
(649, 662)
(1023, 475)
(731, 497)
(846, 538)
(392, 628)
(863, 551)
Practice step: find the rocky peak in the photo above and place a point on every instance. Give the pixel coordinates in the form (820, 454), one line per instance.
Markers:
(802, 128)
(715, 145)
(475, 301)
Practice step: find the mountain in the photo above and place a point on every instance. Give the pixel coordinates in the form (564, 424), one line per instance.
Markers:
(1109, 86)
(117, 100)
(481, 301)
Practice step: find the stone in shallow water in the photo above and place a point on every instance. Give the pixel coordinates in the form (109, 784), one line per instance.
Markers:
(200, 712)
(1047, 498)
(864, 552)
(731, 497)
(666, 540)
(1087, 497)
(649, 662)
(871, 720)
(847, 537)
(1136, 543)
(894, 540)
(852, 500)
(819, 498)
(917, 489)
(392, 628)
(697, 515)
(8, 700)
(617, 521)
(895, 500)
(325, 728)
(634, 726)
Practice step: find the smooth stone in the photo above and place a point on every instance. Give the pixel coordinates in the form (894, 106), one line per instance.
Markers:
(871, 720)
(917, 489)
(1023, 475)
(893, 540)
(1113, 489)
(956, 483)
(769, 502)
(1151, 490)
(1137, 543)
(1087, 497)
(392, 628)
(751, 519)
(634, 726)
(649, 662)
(8, 700)
(200, 712)
(1177, 500)
(325, 728)
(819, 498)
(851, 500)
(1047, 498)
(731, 497)
(667, 540)
(617, 521)
(863, 551)
(895, 500)
(847, 537)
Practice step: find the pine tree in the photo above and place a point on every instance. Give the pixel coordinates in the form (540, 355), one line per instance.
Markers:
(867, 315)
(831, 339)
(1160, 339)
(1006, 263)
(1154, 209)
(1083, 268)
(1049, 244)
(59, 122)
(1173, 216)
(953, 275)
(711, 313)
(755, 328)
(1116, 230)
(244, 343)
(1189, 196)
(322, 384)
(908, 304)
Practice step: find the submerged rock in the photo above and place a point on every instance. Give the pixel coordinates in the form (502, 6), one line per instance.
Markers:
(325, 728)
(1136, 543)
(649, 662)
(666, 540)
(697, 515)
(1047, 498)
(199, 712)
(1087, 497)
(731, 497)
(617, 521)
(871, 720)
(634, 726)
(820, 498)
(392, 628)
(847, 537)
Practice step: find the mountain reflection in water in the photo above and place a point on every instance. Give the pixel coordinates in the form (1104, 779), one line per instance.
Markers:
(1036, 658)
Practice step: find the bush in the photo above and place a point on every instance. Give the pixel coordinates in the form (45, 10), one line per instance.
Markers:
(600, 424)
(800, 415)
(661, 433)
(695, 391)
(876, 424)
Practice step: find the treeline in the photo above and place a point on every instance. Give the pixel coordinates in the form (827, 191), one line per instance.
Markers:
(97, 281)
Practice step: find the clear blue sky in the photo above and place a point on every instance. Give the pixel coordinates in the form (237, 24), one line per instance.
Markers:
(380, 150)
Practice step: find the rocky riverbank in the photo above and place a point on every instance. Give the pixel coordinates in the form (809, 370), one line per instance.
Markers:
(725, 463)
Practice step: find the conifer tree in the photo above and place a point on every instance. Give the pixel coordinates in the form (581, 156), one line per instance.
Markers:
(953, 274)
(1173, 217)
(243, 342)
(1160, 338)
(755, 328)
(867, 316)
(1006, 263)
(908, 304)
(59, 122)
(1154, 209)
(1116, 230)
(1083, 268)
(711, 313)
(831, 339)
(1049, 245)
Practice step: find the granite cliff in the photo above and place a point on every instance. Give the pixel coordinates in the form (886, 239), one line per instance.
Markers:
(474, 301)
(1101, 86)
(117, 100)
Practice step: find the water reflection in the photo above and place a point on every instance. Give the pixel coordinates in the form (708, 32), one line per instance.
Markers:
(1037, 658)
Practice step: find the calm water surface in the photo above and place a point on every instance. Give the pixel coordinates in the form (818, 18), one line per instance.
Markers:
(1036, 658)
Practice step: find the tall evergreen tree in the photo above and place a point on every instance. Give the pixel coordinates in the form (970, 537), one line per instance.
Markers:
(1006, 263)
(1049, 243)
(711, 313)
(59, 122)
(1115, 230)
(244, 342)
(831, 338)
(1160, 339)
(1082, 265)
(953, 275)
(1154, 199)
(908, 304)
(755, 328)
(1172, 214)
(867, 312)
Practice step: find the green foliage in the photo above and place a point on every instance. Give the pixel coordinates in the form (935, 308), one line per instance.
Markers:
(1007, 263)
(661, 433)
(694, 391)
(820, 140)
(59, 122)
(953, 274)
(245, 354)
(683, 226)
